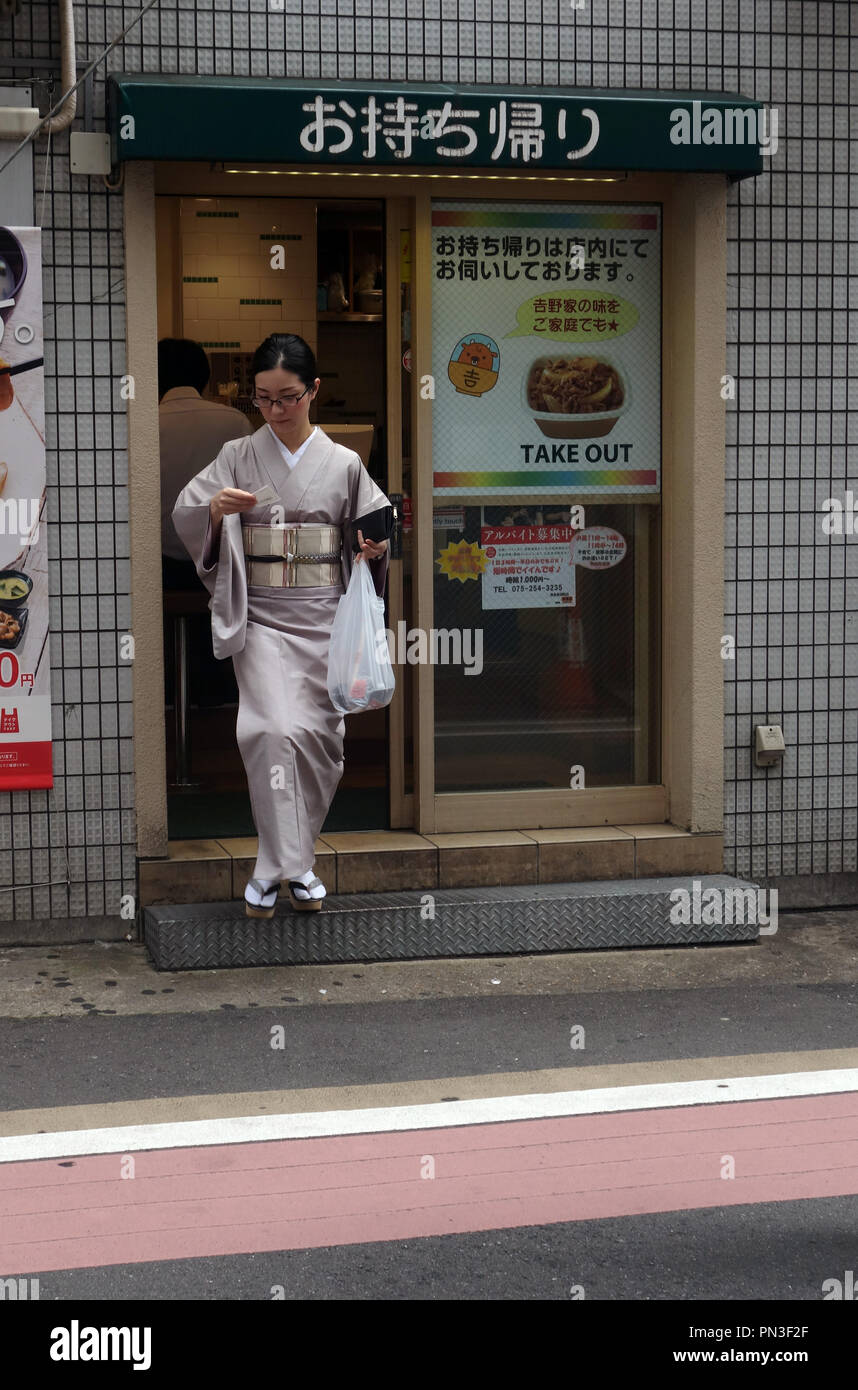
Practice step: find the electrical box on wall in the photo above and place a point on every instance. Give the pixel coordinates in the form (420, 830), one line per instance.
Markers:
(89, 152)
(769, 746)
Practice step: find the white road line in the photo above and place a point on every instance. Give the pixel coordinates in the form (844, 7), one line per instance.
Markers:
(245, 1129)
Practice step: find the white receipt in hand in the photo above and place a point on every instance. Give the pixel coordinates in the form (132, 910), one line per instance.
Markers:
(265, 494)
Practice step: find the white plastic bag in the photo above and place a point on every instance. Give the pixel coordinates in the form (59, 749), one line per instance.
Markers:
(360, 674)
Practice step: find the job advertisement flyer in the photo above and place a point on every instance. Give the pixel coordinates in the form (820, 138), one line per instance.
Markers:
(528, 566)
(546, 330)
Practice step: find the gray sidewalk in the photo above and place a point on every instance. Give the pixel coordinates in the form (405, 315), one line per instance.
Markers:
(115, 978)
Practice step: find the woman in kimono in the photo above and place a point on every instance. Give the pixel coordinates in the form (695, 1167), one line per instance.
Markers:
(271, 526)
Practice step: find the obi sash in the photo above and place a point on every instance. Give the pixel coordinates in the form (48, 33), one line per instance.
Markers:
(300, 555)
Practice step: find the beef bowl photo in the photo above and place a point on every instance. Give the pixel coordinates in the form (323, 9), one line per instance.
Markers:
(575, 397)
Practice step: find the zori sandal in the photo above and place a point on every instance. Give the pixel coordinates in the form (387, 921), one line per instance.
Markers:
(262, 901)
(305, 903)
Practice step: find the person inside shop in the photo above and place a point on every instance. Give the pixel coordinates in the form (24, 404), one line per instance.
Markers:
(192, 431)
(275, 525)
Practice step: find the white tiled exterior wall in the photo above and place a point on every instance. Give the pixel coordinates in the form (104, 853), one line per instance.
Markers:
(792, 596)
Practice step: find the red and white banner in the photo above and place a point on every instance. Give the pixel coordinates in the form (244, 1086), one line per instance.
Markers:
(25, 677)
(528, 566)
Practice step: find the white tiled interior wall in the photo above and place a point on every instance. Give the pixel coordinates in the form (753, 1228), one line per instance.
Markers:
(792, 591)
(226, 248)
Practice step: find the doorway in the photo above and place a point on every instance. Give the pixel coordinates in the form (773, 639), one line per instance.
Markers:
(341, 281)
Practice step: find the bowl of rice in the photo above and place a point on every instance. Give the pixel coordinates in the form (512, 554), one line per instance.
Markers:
(575, 397)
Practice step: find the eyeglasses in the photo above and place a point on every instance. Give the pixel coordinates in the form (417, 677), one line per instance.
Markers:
(263, 403)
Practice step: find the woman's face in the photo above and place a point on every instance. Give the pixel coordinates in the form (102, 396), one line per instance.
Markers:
(280, 384)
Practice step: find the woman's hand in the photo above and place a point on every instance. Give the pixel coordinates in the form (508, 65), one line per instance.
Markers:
(229, 500)
(371, 549)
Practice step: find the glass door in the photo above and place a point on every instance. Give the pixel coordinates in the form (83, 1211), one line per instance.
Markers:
(540, 477)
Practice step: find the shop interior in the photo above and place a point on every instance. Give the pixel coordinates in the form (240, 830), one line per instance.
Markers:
(219, 285)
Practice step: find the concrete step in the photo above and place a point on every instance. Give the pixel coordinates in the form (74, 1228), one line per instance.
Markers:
(516, 920)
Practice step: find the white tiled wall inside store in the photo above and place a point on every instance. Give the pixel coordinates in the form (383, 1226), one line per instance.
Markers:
(232, 294)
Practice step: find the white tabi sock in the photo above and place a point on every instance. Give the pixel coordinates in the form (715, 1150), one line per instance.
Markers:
(306, 878)
(251, 893)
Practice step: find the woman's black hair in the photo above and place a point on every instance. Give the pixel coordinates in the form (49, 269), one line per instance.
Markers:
(181, 362)
(288, 351)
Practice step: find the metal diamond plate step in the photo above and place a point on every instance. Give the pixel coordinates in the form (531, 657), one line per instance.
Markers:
(515, 920)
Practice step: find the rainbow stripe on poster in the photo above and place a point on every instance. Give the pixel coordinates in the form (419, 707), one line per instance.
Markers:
(558, 478)
(608, 221)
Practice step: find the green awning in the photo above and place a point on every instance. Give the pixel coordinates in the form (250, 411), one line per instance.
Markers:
(396, 126)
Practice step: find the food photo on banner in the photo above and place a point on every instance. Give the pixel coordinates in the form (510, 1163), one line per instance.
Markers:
(25, 680)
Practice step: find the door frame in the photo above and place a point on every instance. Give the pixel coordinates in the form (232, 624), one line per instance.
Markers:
(398, 217)
(690, 794)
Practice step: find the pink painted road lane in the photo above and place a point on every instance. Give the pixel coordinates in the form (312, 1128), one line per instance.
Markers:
(352, 1189)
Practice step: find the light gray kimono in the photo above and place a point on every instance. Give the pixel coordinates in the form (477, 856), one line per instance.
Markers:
(288, 732)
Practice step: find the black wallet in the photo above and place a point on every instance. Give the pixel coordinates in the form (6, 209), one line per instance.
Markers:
(375, 526)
